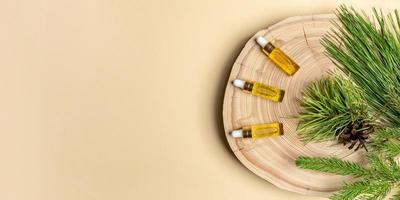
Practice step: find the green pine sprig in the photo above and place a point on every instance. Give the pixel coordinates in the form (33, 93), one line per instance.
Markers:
(387, 141)
(332, 165)
(328, 107)
(363, 190)
(368, 51)
(375, 181)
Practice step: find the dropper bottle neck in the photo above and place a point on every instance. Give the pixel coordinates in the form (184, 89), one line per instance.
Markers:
(265, 45)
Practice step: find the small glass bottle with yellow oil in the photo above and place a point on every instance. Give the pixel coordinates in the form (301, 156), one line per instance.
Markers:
(261, 90)
(277, 56)
(259, 131)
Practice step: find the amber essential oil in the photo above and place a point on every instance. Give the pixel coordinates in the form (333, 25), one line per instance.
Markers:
(260, 90)
(259, 131)
(277, 56)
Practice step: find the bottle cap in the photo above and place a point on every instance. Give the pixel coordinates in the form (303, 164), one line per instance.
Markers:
(239, 83)
(262, 41)
(237, 133)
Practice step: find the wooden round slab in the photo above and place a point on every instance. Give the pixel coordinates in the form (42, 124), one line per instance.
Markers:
(274, 158)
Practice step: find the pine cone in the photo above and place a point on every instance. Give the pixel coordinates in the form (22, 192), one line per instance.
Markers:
(356, 134)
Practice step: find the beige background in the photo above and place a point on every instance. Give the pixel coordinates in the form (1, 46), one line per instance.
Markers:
(118, 99)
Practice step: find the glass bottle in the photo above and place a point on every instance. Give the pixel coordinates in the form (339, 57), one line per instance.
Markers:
(261, 90)
(278, 56)
(259, 131)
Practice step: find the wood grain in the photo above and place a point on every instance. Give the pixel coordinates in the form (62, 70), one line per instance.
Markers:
(273, 158)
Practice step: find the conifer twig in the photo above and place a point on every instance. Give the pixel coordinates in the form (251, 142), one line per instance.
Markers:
(369, 53)
(376, 180)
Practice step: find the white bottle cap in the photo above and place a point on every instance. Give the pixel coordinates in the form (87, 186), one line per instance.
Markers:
(262, 41)
(237, 133)
(239, 83)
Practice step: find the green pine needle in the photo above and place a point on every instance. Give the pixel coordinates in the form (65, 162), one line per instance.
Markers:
(368, 50)
(377, 179)
(332, 165)
(362, 190)
(328, 106)
(387, 141)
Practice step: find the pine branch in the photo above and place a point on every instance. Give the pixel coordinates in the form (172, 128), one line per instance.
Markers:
(369, 52)
(328, 107)
(377, 191)
(391, 148)
(332, 165)
(387, 141)
(378, 178)
(383, 168)
(393, 94)
(362, 190)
